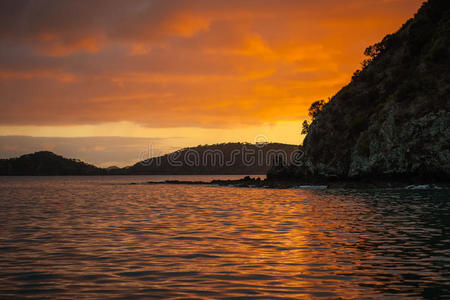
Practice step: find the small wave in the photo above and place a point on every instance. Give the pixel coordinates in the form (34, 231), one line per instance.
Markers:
(136, 273)
(198, 255)
(188, 238)
(311, 187)
(187, 256)
(423, 187)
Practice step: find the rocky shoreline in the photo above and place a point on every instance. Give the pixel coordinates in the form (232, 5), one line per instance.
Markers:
(249, 182)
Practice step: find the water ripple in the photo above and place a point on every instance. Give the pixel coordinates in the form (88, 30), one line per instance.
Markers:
(90, 238)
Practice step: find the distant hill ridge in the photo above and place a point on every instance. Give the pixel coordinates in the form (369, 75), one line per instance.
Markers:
(228, 158)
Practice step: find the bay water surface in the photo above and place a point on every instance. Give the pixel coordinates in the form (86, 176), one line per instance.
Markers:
(101, 237)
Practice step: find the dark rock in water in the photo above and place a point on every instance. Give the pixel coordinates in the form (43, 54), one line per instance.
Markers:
(392, 122)
(248, 182)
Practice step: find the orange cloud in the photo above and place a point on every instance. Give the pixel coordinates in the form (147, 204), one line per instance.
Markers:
(181, 63)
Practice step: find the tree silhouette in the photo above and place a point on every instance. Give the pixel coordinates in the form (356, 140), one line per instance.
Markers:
(305, 127)
(315, 108)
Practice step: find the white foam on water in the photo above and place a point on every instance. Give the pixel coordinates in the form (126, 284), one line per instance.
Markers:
(423, 187)
(311, 187)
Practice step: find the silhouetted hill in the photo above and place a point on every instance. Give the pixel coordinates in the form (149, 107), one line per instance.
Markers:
(230, 158)
(46, 163)
(393, 119)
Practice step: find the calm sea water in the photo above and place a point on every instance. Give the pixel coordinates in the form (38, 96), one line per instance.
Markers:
(98, 237)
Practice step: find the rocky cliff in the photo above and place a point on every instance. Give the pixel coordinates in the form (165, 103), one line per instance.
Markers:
(393, 119)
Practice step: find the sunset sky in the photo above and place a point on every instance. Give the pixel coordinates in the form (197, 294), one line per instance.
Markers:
(107, 80)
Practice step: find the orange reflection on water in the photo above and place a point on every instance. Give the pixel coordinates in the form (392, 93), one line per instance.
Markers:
(69, 237)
